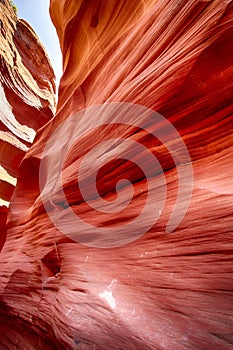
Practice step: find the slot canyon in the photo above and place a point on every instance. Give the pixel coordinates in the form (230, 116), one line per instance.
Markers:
(100, 248)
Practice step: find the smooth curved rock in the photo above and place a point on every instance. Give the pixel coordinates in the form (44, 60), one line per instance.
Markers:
(162, 291)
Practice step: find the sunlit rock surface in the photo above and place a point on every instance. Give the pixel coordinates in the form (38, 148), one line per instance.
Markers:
(168, 291)
(27, 92)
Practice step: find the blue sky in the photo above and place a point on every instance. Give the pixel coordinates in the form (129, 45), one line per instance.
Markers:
(36, 12)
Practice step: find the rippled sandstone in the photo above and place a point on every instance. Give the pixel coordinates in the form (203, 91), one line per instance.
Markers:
(162, 291)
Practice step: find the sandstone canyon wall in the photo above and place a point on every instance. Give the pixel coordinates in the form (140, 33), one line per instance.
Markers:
(170, 291)
(27, 96)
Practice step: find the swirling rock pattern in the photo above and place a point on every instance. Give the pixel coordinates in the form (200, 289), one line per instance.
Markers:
(162, 291)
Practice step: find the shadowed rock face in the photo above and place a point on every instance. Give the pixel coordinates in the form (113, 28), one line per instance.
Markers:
(163, 290)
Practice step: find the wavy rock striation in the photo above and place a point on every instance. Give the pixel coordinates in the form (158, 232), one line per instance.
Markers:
(164, 290)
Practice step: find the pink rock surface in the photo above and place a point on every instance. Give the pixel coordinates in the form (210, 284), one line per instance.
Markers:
(170, 291)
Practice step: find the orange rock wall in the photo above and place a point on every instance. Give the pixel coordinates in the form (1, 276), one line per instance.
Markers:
(27, 89)
(168, 291)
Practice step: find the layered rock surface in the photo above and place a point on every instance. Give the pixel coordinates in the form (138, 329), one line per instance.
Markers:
(27, 98)
(163, 290)
(27, 91)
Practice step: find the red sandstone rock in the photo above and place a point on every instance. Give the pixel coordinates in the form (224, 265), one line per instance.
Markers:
(27, 89)
(162, 291)
(3, 231)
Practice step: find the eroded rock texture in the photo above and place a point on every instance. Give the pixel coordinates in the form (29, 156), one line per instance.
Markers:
(27, 97)
(26, 92)
(163, 291)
